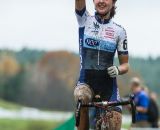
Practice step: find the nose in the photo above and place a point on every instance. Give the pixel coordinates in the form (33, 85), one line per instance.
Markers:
(101, 1)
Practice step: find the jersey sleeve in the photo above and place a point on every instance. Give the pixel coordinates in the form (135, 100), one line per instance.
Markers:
(122, 47)
(82, 16)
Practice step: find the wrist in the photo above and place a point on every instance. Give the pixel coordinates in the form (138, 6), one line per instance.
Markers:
(119, 72)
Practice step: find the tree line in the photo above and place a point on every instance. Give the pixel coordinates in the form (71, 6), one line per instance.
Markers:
(46, 79)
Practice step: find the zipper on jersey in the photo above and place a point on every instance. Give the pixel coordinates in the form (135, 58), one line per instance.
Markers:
(98, 55)
(98, 59)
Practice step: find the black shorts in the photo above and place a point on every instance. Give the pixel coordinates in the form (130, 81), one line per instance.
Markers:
(101, 84)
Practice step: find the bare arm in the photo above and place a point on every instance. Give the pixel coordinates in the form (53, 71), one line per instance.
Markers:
(141, 109)
(80, 4)
(138, 109)
(124, 65)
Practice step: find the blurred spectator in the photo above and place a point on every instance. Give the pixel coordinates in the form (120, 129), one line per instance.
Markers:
(142, 103)
(153, 110)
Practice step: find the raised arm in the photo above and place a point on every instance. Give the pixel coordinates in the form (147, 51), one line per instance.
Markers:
(80, 4)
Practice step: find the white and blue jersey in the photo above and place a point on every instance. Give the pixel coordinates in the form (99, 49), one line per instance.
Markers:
(98, 41)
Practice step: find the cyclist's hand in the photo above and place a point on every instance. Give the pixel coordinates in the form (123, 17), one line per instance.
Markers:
(113, 71)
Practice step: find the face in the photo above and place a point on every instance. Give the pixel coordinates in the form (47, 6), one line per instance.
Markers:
(135, 88)
(103, 6)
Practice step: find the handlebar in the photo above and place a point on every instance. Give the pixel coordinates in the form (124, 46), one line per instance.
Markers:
(106, 104)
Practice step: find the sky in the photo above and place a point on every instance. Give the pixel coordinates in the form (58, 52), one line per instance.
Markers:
(52, 25)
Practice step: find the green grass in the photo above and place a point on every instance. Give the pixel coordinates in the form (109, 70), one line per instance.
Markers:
(126, 126)
(17, 124)
(9, 105)
(8, 124)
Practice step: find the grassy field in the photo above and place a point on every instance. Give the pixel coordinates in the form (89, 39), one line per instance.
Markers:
(17, 124)
(126, 126)
(8, 124)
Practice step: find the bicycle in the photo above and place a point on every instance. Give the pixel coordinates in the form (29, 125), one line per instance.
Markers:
(101, 118)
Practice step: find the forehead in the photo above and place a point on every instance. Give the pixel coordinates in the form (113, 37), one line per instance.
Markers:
(134, 85)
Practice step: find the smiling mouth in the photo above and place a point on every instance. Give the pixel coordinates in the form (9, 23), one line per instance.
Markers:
(101, 6)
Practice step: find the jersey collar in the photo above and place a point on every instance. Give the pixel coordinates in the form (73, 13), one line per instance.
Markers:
(98, 18)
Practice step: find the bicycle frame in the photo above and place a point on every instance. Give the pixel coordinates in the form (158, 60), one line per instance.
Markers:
(105, 105)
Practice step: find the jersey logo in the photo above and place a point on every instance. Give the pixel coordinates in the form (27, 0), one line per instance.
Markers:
(109, 33)
(103, 45)
(91, 42)
(96, 28)
(96, 25)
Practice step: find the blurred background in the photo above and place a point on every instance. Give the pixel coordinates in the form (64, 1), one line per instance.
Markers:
(39, 61)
